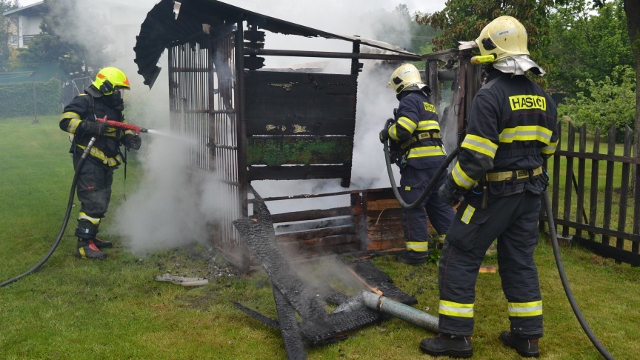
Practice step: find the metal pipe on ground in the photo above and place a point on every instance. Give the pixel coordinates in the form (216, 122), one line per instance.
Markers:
(391, 307)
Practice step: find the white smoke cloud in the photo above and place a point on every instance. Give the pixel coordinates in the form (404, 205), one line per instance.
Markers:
(172, 203)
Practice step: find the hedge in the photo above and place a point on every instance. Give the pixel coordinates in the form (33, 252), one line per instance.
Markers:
(16, 99)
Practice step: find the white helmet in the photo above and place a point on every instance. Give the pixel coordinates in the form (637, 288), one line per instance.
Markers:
(503, 37)
(404, 77)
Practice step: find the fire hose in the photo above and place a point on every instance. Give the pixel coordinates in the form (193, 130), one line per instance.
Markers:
(430, 185)
(87, 150)
(552, 232)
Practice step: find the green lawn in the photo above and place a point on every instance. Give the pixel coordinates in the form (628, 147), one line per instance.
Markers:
(114, 309)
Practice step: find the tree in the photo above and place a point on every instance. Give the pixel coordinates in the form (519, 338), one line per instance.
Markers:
(68, 46)
(605, 103)
(463, 20)
(5, 5)
(632, 9)
(585, 45)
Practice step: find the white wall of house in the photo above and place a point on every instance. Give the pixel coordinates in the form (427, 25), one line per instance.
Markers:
(28, 26)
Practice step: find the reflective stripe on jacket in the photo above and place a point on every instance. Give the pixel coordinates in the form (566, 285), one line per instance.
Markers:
(512, 126)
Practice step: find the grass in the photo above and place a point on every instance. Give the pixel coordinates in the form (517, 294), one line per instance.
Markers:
(114, 309)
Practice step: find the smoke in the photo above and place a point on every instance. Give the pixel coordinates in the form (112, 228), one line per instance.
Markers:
(172, 203)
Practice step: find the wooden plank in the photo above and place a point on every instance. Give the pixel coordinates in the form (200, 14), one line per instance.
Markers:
(383, 204)
(595, 168)
(624, 186)
(599, 230)
(311, 214)
(567, 177)
(303, 172)
(317, 233)
(582, 146)
(310, 103)
(610, 252)
(320, 246)
(608, 187)
(592, 156)
(313, 224)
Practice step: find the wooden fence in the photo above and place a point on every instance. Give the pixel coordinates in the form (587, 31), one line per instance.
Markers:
(593, 198)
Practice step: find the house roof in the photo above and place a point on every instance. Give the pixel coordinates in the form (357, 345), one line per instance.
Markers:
(34, 9)
(168, 25)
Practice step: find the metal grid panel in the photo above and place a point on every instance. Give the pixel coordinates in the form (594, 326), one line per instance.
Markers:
(203, 107)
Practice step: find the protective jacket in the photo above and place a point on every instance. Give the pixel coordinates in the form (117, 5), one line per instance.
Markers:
(512, 126)
(512, 129)
(417, 131)
(85, 107)
(96, 175)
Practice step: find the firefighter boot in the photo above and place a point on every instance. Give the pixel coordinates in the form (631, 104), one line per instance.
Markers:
(413, 258)
(448, 345)
(524, 347)
(102, 244)
(87, 249)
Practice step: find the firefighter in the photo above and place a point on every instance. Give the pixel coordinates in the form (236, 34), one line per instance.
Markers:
(79, 118)
(415, 135)
(512, 129)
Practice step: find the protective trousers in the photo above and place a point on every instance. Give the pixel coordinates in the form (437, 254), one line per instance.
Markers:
(94, 193)
(513, 221)
(413, 181)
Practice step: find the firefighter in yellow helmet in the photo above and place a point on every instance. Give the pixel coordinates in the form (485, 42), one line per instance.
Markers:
(79, 118)
(415, 137)
(498, 177)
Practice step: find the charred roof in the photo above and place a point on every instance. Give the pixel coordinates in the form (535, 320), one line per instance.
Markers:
(173, 22)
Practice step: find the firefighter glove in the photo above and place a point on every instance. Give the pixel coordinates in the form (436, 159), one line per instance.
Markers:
(448, 194)
(93, 127)
(132, 141)
(384, 135)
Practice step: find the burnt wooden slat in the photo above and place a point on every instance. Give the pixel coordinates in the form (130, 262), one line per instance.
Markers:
(310, 225)
(311, 214)
(309, 103)
(337, 244)
(359, 201)
(316, 233)
(299, 172)
(291, 334)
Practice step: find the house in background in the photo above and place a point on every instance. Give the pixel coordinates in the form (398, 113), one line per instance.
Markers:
(123, 18)
(24, 23)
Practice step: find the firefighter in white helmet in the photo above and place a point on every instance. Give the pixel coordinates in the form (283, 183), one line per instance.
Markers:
(415, 137)
(498, 177)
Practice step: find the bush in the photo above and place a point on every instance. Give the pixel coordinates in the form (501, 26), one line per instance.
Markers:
(607, 103)
(16, 99)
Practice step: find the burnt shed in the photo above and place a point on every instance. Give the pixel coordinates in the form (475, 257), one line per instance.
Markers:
(266, 124)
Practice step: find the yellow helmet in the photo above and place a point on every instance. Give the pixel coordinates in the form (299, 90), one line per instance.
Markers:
(405, 76)
(109, 79)
(503, 37)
